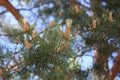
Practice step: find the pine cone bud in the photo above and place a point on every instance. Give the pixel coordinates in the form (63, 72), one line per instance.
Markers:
(25, 25)
(69, 22)
(27, 44)
(34, 34)
(78, 26)
(51, 23)
(94, 24)
(57, 69)
(110, 16)
(77, 9)
(60, 14)
(68, 25)
(17, 40)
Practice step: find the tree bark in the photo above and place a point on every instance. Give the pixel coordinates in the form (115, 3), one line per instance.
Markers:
(9, 7)
(15, 12)
(116, 67)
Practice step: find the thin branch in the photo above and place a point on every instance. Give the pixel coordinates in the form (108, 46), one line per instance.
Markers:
(7, 35)
(73, 2)
(87, 2)
(3, 12)
(15, 12)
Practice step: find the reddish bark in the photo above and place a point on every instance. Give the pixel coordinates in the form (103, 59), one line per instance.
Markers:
(115, 69)
(10, 7)
(15, 12)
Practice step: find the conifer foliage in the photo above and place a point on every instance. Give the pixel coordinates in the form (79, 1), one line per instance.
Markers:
(78, 27)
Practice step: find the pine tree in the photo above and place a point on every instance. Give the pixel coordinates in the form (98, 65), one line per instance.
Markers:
(54, 53)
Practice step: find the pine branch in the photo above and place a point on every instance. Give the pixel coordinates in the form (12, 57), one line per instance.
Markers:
(3, 12)
(11, 8)
(74, 2)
